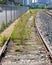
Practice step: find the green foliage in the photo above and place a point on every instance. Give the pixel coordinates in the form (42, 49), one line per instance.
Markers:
(4, 26)
(43, 7)
(2, 1)
(2, 40)
(21, 4)
(18, 48)
(20, 31)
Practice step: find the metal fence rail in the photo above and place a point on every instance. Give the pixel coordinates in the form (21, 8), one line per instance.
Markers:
(9, 13)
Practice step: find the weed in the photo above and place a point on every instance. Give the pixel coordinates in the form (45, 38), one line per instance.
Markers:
(4, 26)
(21, 32)
(2, 40)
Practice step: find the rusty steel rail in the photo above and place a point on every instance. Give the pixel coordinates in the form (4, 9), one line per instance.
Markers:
(4, 48)
(48, 12)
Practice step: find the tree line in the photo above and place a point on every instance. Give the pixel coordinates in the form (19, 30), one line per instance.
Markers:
(5, 1)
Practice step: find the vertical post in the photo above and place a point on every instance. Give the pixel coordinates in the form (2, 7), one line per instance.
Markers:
(11, 12)
(14, 12)
(6, 12)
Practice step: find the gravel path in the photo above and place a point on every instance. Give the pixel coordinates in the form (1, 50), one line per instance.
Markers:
(33, 53)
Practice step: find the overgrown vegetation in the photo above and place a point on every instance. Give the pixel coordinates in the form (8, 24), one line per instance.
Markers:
(3, 1)
(2, 40)
(21, 32)
(4, 26)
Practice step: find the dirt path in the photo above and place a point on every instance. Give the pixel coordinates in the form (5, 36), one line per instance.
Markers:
(33, 53)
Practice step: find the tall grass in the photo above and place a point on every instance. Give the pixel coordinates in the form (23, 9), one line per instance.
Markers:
(2, 40)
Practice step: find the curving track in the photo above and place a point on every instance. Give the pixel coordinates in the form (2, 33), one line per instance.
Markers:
(44, 26)
(34, 53)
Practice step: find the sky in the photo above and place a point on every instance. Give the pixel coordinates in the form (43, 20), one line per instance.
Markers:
(34, 0)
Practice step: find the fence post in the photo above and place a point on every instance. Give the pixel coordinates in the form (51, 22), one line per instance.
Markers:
(14, 13)
(11, 12)
(6, 13)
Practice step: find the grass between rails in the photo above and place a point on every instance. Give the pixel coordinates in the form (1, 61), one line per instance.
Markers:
(3, 38)
(21, 32)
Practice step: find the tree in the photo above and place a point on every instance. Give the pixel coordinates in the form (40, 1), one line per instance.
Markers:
(2, 1)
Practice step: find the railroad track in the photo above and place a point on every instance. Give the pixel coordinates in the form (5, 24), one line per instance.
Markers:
(5, 46)
(49, 47)
(34, 53)
(42, 34)
(48, 12)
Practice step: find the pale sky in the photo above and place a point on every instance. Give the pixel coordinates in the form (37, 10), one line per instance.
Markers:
(27, 2)
(34, 1)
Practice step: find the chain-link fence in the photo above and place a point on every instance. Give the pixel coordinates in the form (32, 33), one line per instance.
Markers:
(8, 13)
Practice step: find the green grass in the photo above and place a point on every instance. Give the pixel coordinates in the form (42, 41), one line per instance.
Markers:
(4, 26)
(21, 31)
(2, 40)
(18, 48)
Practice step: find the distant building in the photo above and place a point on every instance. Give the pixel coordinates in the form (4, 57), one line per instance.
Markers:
(24, 2)
(43, 1)
(27, 2)
(16, 1)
